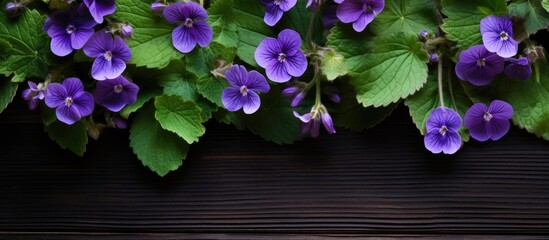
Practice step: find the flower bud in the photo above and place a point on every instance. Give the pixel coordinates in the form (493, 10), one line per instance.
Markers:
(158, 7)
(126, 31)
(424, 35)
(14, 9)
(433, 58)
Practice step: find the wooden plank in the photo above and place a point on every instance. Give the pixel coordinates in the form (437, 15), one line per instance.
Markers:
(240, 236)
(382, 181)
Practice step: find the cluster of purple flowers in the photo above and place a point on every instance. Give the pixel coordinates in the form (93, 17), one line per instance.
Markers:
(483, 123)
(480, 64)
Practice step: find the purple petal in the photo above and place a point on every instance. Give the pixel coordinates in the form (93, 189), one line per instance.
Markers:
(251, 102)
(267, 52)
(105, 94)
(257, 82)
(290, 41)
(286, 5)
(291, 91)
(67, 114)
(273, 14)
(182, 39)
(297, 99)
(501, 110)
(175, 12)
(296, 65)
(195, 11)
(315, 128)
(83, 102)
(100, 8)
(328, 123)
(55, 95)
(231, 98)
(73, 86)
(305, 118)
(498, 128)
(103, 69)
(61, 45)
(443, 117)
(33, 103)
(120, 49)
(360, 24)
(277, 72)
(27, 94)
(517, 70)
(79, 38)
(202, 33)
(349, 11)
(448, 143)
(237, 76)
(98, 44)
(475, 122)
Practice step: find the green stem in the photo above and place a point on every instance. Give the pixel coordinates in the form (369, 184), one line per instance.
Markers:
(309, 37)
(440, 93)
(317, 79)
(450, 88)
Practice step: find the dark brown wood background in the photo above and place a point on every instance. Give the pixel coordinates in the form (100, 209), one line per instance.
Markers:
(381, 183)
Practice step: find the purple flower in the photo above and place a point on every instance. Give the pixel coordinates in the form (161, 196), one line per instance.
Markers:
(69, 30)
(519, 68)
(111, 55)
(193, 29)
(13, 9)
(114, 94)
(497, 35)
(442, 131)
(311, 121)
(126, 31)
(333, 93)
(489, 122)
(118, 122)
(100, 8)
(158, 7)
(433, 58)
(282, 58)
(70, 99)
(242, 92)
(359, 12)
(329, 17)
(478, 66)
(295, 93)
(34, 94)
(275, 8)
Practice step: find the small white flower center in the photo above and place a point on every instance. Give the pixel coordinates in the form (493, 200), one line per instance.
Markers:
(118, 88)
(68, 101)
(107, 55)
(70, 29)
(487, 117)
(281, 57)
(443, 130)
(366, 7)
(504, 36)
(244, 90)
(189, 23)
(481, 62)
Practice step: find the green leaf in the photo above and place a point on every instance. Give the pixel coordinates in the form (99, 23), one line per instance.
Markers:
(333, 65)
(350, 114)
(5, 48)
(180, 117)
(72, 137)
(298, 19)
(535, 16)
(7, 92)
(244, 16)
(463, 22)
(427, 99)
(384, 70)
(158, 149)
(151, 43)
(406, 16)
(201, 63)
(29, 46)
(143, 97)
(545, 4)
(528, 98)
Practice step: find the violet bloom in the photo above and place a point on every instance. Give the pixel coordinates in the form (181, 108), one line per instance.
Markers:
(70, 100)
(193, 29)
(275, 8)
(126, 31)
(282, 58)
(34, 94)
(100, 8)
(497, 35)
(311, 121)
(478, 66)
(242, 92)
(519, 68)
(13, 9)
(111, 55)
(359, 12)
(69, 30)
(115, 94)
(295, 93)
(158, 7)
(442, 131)
(489, 122)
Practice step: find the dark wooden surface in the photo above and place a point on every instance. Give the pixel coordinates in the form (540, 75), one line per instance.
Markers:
(381, 183)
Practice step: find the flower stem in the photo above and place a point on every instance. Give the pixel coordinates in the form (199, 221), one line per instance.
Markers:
(309, 37)
(317, 79)
(450, 88)
(440, 93)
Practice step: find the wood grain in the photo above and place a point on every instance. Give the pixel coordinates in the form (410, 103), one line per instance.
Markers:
(381, 181)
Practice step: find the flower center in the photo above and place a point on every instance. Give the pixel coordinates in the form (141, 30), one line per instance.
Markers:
(281, 57)
(481, 62)
(70, 29)
(244, 90)
(487, 117)
(118, 88)
(68, 101)
(189, 23)
(277, 2)
(504, 36)
(366, 8)
(107, 55)
(443, 130)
